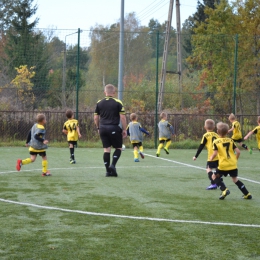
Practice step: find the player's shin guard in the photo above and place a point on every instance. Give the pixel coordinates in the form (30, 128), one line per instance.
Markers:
(44, 166)
(141, 149)
(242, 187)
(168, 144)
(72, 153)
(245, 146)
(106, 158)
(116, 156)
(160, 146)
(220, 183)
(210, 177)
(135, 154)
(26, 161)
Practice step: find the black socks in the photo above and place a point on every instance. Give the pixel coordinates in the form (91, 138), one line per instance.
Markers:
(106, 158)
(116, 156)
(242, 187)
(72, 153)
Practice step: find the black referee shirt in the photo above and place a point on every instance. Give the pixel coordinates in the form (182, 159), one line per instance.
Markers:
(109, 110)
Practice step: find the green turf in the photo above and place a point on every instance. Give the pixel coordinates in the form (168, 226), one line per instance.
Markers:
(153, 188)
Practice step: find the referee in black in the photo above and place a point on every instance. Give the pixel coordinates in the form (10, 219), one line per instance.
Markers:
(110, 121)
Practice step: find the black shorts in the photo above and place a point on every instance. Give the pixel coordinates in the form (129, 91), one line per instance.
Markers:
(42, 154)
(231, 173)
(237, 140)
(75, 143)
(163, 141)
(137, 144)
(111, 135)
(212, 164)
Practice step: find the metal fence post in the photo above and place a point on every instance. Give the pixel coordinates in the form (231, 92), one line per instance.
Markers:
(77, 87)
(235, 75)
(156, 91)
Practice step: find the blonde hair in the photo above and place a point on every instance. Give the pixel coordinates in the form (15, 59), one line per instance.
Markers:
(40, 118)
(222, 128)
(209, 124)
(133, 116)
(163, 114)
(232, 117)
(110, 89)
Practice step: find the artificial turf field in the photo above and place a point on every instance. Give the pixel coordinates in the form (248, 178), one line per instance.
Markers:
(155, 209)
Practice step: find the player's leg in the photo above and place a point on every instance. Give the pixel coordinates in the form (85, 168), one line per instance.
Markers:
(240, 184)
(20, 162)
(168, 143)
(217, 177)
(242, 144)
(210, 168)
(71, 147)
(135, 147)
(141, 150)
(160, 146)
(45, 171)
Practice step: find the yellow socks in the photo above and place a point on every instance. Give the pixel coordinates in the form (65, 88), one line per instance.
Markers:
(135, 154)
(141, 149)
(44, 166)
(26, 161)
(159, 148)
(168, 144)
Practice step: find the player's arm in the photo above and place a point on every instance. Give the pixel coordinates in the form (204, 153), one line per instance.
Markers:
(96, 121)
(123, 122)
(171, 128)
(215, 152)
(128, 131)
(64, 130)
(38, 137)
(236, 150)
(201, 147)
(28, 138)
(231, 129)
(249, 134)
(78, 130)
(143, 130)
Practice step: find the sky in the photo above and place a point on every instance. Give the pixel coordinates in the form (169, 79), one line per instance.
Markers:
(84, 14)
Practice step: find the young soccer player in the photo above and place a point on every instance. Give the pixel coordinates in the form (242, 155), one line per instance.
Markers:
(236, 129)
(38, 144)
(135, 131)
(228, 155)
(207, 140)
(165, 132)
(255, 131)
(71, 129)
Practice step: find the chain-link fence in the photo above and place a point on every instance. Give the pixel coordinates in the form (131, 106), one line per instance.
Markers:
(52, 70)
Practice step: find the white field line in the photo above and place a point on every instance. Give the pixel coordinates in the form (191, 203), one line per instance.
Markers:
(196, 167)
(131, 217)
(92, 167)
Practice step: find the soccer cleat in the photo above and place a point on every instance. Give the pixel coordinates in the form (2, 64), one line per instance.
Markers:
(142, 155)
(212, 187)
(72, 161)
(166, 150)
(136, 160)
(157, 155)
(18, 165)
(247, 197)
(113, 172)
(224, 194)
(46, 174)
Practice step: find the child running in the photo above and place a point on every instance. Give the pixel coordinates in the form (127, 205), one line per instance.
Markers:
(236, 129)
(207, 140)
(255, 131)
(135, 131)
(228, 155)
(38, 144)
(165, 132)
(71, 129)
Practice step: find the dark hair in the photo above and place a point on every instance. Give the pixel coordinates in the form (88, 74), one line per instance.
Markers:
(69, 113)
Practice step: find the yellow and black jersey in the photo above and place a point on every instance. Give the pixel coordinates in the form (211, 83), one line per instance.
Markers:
(226, 155)
(237, 134)
(109, 110)
(256, 131)
(71, 126)
(207, 140)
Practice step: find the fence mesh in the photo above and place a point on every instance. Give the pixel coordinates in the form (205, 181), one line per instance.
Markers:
(48, 71)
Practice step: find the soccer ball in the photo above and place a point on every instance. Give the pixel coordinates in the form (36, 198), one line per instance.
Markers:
(123, 147)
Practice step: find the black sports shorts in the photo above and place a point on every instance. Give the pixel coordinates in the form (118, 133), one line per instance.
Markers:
(237, 140)
(231, 173)
(75, 143)
(111, 135)
(137, 144)
(42, 154)
(163, 141)
(212, 164)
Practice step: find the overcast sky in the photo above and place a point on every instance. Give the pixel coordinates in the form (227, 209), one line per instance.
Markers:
(67, 14)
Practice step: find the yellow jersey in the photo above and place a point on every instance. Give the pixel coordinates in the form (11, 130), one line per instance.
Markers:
(257, 135)
(71, 126)
(226, 155)
(237, 134)
(207, 140)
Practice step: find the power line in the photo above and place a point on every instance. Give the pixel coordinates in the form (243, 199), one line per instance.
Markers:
(148, 11)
